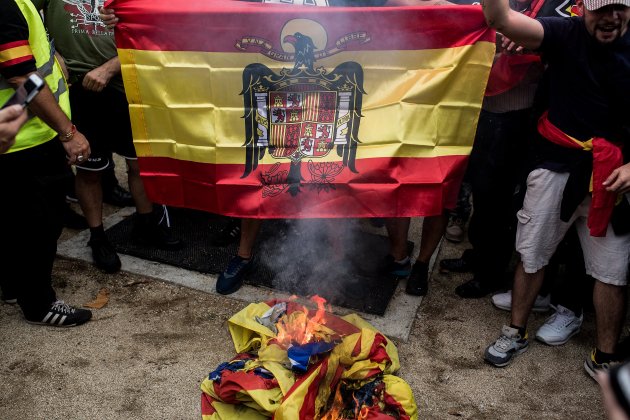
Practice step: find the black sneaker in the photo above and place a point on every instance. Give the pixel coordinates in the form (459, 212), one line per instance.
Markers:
(473, 289)
(229, 234)
(418, 281)
(117, 196)
(155, 233)
(104, 255)
(9, 299)
(389, 267)
(62, 315)
(465, 264)
(592, 367)
(73, 220)
(232, 278)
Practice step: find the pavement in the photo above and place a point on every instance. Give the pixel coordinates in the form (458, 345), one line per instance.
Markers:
(164, 329)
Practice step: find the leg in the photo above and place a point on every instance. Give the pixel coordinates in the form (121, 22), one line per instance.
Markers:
(526, 288)
(610, 303)
(433, 228)
(249, 232)
(397, 231)
(136, 187)
(90, 195)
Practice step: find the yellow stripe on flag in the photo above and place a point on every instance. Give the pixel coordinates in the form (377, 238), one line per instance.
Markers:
(424, 104)
(16, 52)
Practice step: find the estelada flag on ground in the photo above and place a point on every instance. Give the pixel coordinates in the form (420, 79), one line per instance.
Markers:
(273, 111)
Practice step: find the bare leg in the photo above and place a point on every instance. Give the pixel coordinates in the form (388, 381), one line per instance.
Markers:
(609, 302)
(397, 231)
(90, 195)
(249, 231)
(524, 292)
(433, 228)
(136, 188)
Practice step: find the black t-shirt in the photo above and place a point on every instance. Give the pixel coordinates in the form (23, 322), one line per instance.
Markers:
(13, 33)
(589, 82)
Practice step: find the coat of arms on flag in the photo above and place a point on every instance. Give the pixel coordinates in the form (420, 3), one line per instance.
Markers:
(302, 114)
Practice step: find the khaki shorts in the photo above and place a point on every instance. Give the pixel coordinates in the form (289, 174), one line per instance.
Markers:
(540, 230)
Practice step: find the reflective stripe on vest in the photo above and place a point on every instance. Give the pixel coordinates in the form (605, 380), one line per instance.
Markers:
(35, 131)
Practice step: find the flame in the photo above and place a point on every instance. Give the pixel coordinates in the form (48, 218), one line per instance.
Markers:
(337, 406)
(298, 328)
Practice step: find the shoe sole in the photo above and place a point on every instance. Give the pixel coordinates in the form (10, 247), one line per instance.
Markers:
(534, 309)
(10, 301)
(453, 240)
(521, 351)
(76, 324)
(558, 343)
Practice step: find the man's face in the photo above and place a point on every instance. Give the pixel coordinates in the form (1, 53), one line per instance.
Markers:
(607, 23)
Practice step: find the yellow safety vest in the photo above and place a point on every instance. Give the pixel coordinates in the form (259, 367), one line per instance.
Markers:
(35, 131)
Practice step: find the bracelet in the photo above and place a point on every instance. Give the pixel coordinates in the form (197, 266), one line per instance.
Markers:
(68, 136)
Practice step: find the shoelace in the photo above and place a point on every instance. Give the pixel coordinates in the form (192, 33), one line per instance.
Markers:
(165, 217)
(61, 307)
(503, 343)
(234, 265)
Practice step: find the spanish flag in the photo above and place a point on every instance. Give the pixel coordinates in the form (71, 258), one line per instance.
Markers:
(274, 111)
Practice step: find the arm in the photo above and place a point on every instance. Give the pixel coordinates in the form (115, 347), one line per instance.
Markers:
(11, 119)
(48, 110)
(521, 29)
(96, 80)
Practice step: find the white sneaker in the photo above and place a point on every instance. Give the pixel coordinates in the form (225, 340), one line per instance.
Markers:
(559, 327)
(504, 301)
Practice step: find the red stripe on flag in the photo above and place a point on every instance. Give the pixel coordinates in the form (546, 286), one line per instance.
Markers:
(384, 187)
(201, 25)
(206, 405)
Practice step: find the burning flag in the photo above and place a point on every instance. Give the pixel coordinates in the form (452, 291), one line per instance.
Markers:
(348, 374)
(273, 111)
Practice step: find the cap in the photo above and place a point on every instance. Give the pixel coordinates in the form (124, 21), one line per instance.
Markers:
(597, 4)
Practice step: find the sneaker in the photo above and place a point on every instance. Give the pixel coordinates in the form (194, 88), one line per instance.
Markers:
(9, 299)
(232, 278)
(504, 301)
(592, 367)
(559, 327)
(104, 255)
(465, 264)
(508, 345)
(117, 196)
(418, 281)
(157, 234)
(229, 234)
(62, 315)
(455, 230)
(389, 267)
(474, 289)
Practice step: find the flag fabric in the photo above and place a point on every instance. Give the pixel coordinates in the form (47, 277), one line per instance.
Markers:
(257, 383)
(272, 111)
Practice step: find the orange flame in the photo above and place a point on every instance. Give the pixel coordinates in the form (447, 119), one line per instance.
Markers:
(298, 328)
(337, 406)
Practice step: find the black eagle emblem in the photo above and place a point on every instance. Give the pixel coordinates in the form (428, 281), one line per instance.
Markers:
(301, 114)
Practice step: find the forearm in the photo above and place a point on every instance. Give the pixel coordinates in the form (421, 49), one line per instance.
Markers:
(45, 106)
(112, 66)
(496, 13)
(521, 29)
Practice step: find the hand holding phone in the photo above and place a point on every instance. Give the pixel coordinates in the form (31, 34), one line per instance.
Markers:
(26, 92)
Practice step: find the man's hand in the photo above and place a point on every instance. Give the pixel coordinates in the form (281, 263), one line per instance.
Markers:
(619, 180)
(97, 79)
(77, 148)
(11, 119)
(108, 17)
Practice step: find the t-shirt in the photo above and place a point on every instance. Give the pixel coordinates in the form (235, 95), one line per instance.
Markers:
(16, 58)
(589, 82)
(80, 36)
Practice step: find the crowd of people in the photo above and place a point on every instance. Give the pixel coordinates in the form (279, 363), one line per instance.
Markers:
(548, 174)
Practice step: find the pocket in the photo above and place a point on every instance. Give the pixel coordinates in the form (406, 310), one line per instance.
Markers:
(523, 218)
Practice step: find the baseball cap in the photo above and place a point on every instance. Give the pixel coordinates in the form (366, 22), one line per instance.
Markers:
(597, 4)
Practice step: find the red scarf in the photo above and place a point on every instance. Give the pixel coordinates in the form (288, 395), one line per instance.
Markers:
(606, 158)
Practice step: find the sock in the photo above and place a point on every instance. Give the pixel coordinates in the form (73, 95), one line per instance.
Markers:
(602, 357)
(521, 330)
(403, 261)
(97, 233)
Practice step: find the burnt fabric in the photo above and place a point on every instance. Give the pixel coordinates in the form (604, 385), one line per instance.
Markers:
(356, 376)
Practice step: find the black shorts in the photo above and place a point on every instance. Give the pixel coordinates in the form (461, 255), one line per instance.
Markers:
(103, 117)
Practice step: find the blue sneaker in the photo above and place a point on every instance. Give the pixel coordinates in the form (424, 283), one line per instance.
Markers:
(508, 345)
(392, 268)
(232, 278)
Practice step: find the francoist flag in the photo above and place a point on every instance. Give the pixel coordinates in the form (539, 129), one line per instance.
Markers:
(275, 111)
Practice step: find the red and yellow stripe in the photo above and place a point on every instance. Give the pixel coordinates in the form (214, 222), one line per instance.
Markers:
(13, 53)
